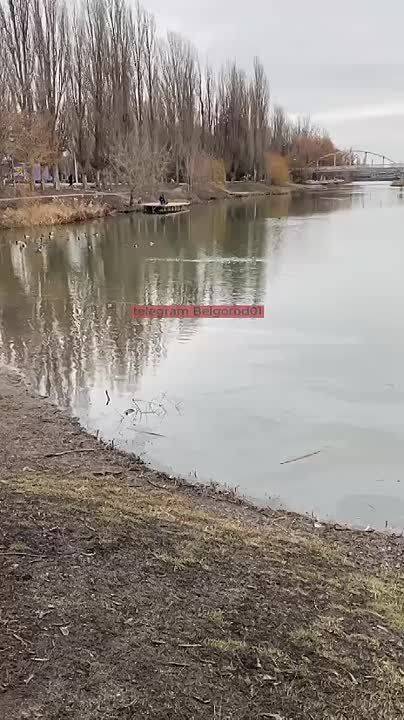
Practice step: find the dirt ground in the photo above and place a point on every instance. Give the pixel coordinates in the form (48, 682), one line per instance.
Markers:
(127, 595)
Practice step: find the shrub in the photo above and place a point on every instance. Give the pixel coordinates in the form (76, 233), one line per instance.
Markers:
(218, 171)
(208, 169)
(277, 168)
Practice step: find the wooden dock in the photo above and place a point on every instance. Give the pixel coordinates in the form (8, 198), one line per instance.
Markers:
(157, 208)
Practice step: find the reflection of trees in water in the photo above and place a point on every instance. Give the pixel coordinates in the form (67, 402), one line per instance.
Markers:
(65, 313)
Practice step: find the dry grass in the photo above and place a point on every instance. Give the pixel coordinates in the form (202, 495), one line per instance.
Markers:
(55, 212)
(199, 536)
(173, 609)
(202, 532)
(387, 599)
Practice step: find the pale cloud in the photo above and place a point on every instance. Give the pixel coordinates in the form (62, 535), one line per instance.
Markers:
(340, 115)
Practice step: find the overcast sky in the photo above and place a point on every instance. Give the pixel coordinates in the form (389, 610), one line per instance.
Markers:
(342, 62)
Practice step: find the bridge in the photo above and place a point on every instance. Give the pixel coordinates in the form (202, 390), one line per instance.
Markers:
(357, 165)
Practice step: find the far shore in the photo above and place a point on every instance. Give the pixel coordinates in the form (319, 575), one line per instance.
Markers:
(69, 205)
(125, 592)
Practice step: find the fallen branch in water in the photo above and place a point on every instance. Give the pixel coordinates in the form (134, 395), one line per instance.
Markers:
(147, 432)
(301, 457)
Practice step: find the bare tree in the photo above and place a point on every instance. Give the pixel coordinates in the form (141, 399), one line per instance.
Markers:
(206, 99)
(259, 107)
(17, 35)
(151, 71)
(121, 32)
(99, 82)
(6, 98)
(179, 81)
(52, 56)
(233, 120)
(6, 133)
(30, 142)
(138, 164)
(280, 131)
(139, 63)
(78, 96)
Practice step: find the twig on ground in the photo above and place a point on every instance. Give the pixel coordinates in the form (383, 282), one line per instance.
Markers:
(20, 639)
(68, 452)
(159, 487)
(125, 707)
(21, 554)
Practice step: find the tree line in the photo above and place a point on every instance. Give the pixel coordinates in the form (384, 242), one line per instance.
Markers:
(93, 80)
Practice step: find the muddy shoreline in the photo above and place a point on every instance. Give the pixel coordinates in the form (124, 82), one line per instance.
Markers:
(128, 594)
(213, 492)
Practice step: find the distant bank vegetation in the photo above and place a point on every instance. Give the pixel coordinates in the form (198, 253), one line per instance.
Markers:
(89, 90)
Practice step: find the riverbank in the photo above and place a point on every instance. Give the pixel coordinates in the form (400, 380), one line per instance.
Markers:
(127, 594)
(68, 206)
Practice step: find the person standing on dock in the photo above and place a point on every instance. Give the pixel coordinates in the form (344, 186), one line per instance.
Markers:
(162, 199)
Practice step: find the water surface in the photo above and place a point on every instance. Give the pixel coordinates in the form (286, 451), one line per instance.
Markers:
(231, 400)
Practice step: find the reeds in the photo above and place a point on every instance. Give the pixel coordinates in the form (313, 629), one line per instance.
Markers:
(55, 212)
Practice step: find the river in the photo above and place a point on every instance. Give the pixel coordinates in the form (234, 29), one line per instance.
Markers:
(230, 401)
